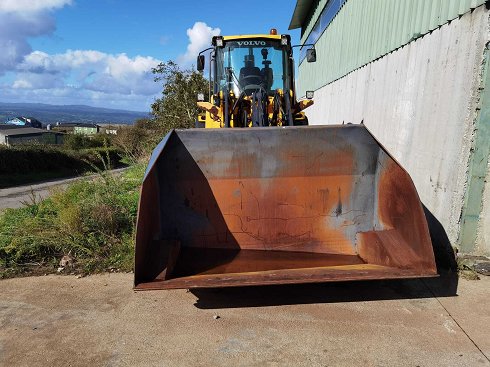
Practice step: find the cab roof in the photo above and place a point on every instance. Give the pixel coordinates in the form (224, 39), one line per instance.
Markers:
(252, 36)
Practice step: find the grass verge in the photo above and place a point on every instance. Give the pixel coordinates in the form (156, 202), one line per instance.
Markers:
(91, 223)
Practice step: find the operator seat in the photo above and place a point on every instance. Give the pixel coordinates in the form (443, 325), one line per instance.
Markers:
(250, 74)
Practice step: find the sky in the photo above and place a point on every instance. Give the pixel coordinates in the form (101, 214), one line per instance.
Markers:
(100, 52)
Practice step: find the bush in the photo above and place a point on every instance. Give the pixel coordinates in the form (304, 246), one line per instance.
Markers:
(28, 158)
(137, 141)
(29, 163)
(80, 141)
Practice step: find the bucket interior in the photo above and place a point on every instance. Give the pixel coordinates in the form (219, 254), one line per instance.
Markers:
(265, 206)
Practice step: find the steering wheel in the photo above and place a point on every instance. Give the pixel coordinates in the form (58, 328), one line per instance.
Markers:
(252, 86)
(249, 77)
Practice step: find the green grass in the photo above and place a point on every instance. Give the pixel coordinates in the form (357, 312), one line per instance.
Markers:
(92, 221)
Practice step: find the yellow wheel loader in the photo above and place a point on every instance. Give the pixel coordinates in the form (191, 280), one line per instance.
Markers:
(257, 197)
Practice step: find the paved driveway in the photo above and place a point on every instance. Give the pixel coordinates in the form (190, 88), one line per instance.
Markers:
(99, 321)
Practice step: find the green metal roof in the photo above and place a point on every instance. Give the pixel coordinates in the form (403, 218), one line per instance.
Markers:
(301, 11)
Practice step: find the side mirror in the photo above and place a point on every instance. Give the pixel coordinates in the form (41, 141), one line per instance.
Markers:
(311, 55)
(200, 63)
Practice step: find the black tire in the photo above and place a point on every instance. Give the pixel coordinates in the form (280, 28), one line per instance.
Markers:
(200, 125)
(302, 122)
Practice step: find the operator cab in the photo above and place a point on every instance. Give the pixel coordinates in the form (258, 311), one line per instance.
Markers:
(252, 82)
(249, 65)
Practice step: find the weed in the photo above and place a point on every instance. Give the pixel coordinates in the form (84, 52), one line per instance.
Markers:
(93, 220)
(466, 268)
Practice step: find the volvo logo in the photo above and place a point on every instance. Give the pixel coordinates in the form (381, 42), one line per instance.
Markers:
(251, 43)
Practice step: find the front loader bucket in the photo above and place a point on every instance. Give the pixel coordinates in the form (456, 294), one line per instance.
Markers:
(235, 207)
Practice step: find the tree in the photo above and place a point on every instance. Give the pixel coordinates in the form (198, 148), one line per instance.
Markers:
(177, 107)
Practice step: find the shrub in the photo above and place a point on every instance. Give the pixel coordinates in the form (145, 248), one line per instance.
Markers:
(137, 141)
(80, 141)
(93, 221)
(33, 161)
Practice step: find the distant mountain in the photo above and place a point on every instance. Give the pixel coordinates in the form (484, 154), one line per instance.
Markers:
(47, 113)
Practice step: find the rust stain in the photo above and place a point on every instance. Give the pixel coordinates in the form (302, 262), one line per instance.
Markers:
(324, 195)
(285, 213)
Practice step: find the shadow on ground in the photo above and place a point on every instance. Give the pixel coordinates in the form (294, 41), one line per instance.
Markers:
(445, 285)
(443, 251)
(261, 296)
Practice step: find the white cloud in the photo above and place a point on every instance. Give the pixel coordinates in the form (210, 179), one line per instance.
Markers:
(72, 77)
(85, 75)
(37, 81)
(31, 5)
(77, 76)
(89, 69)
(68, 95)
(21, 84)
(41, 62)
(19, 20)
(199, 38)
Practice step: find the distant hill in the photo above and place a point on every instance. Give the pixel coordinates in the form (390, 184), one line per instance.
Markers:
(47, 113)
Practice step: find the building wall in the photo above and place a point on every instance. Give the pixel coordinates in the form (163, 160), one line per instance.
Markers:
(24, 139)
(483, 233)
(85, 130)
(476, 212)
(421, 102)
(363, 31)
(42, 138)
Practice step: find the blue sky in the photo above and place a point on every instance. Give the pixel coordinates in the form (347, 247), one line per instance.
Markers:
(100, 52)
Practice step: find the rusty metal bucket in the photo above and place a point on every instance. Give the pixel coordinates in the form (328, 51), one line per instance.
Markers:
(234, 207)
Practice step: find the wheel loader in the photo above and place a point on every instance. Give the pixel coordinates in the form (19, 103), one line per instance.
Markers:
(254, 196)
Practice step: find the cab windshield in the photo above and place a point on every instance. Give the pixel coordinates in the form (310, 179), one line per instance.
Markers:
(245, 66)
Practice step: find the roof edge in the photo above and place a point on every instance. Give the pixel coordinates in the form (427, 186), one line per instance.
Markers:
(300, 13)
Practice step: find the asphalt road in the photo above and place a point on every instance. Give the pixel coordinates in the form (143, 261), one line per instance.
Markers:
(14, 197)
(100, 321)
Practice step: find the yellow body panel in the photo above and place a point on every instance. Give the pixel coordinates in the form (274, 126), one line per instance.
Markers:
(213, 121)
(305, 103)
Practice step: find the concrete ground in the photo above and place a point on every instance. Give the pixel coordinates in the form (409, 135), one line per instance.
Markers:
(100, 321)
